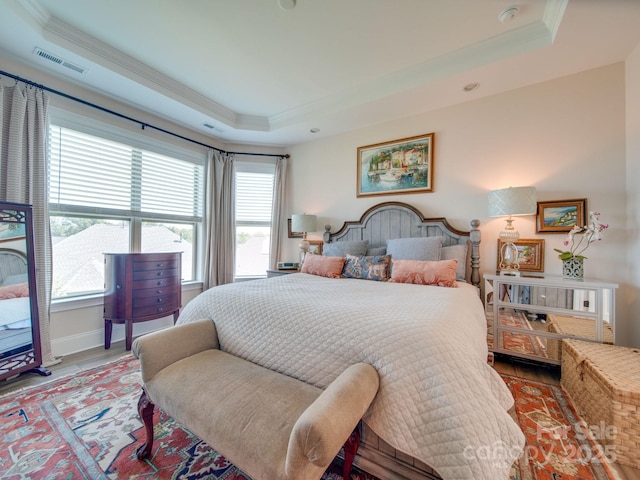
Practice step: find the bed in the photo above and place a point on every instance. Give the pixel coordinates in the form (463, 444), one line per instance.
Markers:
(441, 411)
(15, 309)
(15, 306)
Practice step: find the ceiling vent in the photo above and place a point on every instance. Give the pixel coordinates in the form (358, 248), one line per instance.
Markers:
(60, 61)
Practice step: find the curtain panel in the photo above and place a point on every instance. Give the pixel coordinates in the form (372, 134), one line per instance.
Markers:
(278, 218)
(221, 232)
(23, 179)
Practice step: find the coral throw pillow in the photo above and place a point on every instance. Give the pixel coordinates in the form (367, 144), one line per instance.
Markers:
(322, 266)
(441, 273)
(14, 291)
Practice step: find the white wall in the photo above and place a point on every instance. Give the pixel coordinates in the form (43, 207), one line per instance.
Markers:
(633, 192)
(566, 137)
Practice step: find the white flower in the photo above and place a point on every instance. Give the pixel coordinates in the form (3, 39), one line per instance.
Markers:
(579, 238)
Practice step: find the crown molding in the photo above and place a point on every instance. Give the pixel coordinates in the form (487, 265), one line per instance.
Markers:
(524, 39)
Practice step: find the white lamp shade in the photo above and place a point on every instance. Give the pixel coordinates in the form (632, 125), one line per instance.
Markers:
(512, 201)
(304, 223)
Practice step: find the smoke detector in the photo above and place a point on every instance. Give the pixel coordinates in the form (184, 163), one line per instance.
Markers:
(508, 14)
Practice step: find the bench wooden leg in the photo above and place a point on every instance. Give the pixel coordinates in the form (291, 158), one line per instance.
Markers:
(145, 410)
(350, 449)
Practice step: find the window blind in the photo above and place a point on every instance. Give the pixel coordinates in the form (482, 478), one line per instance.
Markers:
(100, 176)
(254, 198)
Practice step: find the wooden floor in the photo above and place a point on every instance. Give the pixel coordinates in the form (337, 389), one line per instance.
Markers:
(98, 356)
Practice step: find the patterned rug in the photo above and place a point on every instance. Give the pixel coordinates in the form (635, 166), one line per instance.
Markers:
(516, 342)
(559, 444)
(86, 427)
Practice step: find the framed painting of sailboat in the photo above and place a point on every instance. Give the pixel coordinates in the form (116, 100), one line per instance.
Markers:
(398, 166)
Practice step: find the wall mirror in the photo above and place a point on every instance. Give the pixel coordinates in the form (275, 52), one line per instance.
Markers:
(19, 321)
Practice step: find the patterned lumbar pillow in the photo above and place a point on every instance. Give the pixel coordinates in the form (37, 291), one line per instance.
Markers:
(374, 267)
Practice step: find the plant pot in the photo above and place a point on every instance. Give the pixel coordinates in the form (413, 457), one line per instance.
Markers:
(573, 268)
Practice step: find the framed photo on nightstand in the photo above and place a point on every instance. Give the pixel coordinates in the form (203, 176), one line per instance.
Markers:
(530, 254)
(315, 247)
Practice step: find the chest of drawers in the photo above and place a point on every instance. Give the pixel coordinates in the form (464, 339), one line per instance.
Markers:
(528, 316)
(140, 287)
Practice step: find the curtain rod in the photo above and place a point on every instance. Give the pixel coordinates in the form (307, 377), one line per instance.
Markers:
(131, 119)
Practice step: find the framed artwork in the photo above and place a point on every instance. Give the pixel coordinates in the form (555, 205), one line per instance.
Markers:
(315, 247)
(530, 254)
(560, 216)
(398, 166)
(291, 234)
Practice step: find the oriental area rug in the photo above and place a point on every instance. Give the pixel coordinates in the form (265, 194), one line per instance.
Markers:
(86, 426)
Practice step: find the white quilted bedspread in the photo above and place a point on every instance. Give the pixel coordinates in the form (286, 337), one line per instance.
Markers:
(438, 401)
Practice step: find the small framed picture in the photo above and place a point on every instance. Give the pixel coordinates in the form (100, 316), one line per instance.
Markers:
(315, 247)
(560, 216)
(530, 254)
(291, 234)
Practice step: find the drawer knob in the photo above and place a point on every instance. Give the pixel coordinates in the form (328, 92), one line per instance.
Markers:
(160, 309)
(160, 273)
(160, 265)
(159, 290)
(159, 299)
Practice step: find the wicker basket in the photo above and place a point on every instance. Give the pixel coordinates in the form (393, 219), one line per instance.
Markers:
(576, 327)
(603, 382)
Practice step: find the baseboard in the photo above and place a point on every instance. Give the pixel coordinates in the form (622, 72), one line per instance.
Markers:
(95, 338)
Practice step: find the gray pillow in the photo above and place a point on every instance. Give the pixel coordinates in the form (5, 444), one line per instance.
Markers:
(415, 248)
(372, 252)
(458, 252)
(340, 249)
(15, 279)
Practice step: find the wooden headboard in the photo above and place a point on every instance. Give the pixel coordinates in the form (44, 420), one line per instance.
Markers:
(399, 220)
(12, 262)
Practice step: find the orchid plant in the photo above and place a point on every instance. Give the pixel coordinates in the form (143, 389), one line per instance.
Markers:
(580, 238)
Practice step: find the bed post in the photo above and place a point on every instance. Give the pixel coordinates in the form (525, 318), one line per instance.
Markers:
(474, 237)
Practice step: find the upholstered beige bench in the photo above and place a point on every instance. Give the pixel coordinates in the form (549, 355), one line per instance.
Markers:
(269, 425)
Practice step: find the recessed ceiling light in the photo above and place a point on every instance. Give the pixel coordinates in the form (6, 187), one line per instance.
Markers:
(314, 130)
(471, 86)
(287, 4)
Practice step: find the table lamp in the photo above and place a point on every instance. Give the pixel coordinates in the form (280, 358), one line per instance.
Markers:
(512, 201)
(303, 223)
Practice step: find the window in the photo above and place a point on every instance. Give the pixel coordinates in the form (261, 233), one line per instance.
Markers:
(110, 194)
(254, 204)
